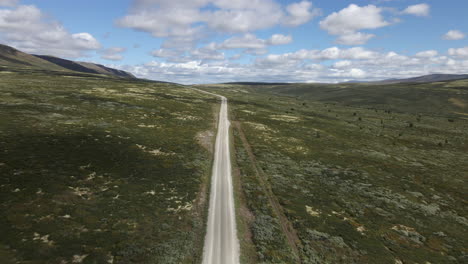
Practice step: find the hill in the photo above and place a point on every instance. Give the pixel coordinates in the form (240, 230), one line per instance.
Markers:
(106, 70)
(85, 67)
(13, 58)
(447, 98)
(427, 78)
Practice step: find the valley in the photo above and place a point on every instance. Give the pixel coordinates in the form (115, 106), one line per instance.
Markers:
(98, 168)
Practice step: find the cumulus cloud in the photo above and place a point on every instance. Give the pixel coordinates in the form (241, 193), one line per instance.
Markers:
(243, 16)
(459, 53)
(454, 35)
(8, 2)
(349, 21)
(342, 64)
(418, 10)
(327, 65)
(279, 39)
(188, 19)
(354, 73)
(249, 43)
(356, 38)
(206, 54)
(427, 54)
(333, 53)
(300, 13)
(113, 54)
(165, 53)
(26, 28)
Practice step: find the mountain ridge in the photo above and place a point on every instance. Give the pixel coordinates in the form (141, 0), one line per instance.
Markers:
(11, 57)
(436, 77)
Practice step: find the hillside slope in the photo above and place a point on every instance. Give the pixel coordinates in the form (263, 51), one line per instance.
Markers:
(106, 70)
(12, 57)
(427, 78)
(85, 67)
(448, 98)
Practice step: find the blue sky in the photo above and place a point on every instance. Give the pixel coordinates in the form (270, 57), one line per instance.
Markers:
(208, 41)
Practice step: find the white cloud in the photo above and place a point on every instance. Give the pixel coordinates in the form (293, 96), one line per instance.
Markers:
(113, 53)
(356, 53)
(8, 2)
(250, 41)
(454, 35)
(333, 53)
(254, 15)
(26, 28)
(279, 39)
(354, 73)
(300, 13)
(427, 54)
(188, 19)
(163, 22)
(247, 41)
(459, 53)
(347, 22)
(418, 10)
(353, 18)
(206, 54)
(356, 38)
(342, 64)
(85, 41)
(307, 65)
(166, 53)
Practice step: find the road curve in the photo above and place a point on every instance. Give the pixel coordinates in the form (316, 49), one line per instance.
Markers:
(221, 243)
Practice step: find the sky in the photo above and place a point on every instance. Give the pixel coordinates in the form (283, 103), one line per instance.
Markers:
(213, 41)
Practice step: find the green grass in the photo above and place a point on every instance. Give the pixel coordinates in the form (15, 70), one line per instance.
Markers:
(361, 182)
(101, 169)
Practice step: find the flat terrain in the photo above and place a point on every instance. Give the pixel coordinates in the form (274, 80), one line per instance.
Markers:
(100, 170)
(353, 173)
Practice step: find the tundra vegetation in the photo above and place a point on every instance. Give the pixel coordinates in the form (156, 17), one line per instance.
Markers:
(96, 169)
(354, 173)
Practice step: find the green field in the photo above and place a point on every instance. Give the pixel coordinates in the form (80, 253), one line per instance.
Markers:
(353, 173)
(97, 169)
(102, 170)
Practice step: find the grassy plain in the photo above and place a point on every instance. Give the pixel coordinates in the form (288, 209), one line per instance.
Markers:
(101, 170)
(363, 174)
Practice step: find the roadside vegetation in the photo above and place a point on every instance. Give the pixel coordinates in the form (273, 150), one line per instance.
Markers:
(374, 175)
(102, 170)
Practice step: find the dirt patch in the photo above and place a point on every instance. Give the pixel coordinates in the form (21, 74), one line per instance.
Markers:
(206, 139)
(457, 102)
